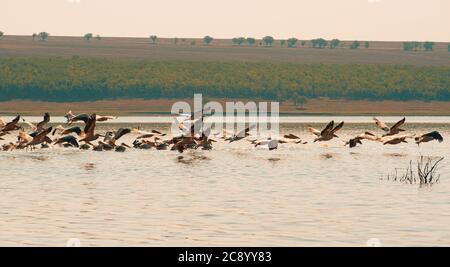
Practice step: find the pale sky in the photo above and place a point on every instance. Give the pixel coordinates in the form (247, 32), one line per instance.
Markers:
(394, 20)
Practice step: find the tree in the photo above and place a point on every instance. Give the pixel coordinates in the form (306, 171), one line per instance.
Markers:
(34, 35)
(448, 48)
(268, 40)
(43, 36)
(282, 42)
(98, 37)
(88, 36)
(319, 43)
(367, 45)
(251, 41)
(153, 38)
(428, 46)
(238, 41)
(355, 45)
(412, 46)
(1, 34)
(207, 39)
(335, 43)
(303, 43)
(292, 42)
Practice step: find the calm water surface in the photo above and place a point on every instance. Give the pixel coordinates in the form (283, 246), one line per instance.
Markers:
(234, 195)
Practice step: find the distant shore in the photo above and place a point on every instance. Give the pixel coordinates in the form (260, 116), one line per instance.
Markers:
(139, 107)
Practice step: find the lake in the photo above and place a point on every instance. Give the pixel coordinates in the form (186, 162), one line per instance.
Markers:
(317, 194)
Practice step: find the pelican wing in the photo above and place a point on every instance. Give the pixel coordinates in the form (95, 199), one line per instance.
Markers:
(398, 124)
(314, 131)
(121, 132)
(337, 128)
(435, 135)
(328, 129)
(90, 124)
(381, 125)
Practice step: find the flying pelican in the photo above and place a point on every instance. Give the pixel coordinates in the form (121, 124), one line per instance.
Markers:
(63, 131)
(364, 136)
(396, 140)
(435, 135)
(271, 143)
(67, 140)
(241, 134)
(89, 130)
(71, 118)
(40, 138)
(327, 133)
(392, 130)
(11, 126)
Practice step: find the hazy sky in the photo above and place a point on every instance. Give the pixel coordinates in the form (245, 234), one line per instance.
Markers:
(305, 19)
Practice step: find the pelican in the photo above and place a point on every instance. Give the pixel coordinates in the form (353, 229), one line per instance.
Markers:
(71, 118)
(396, 140)
(67, 140)
(241, 134)
(63, 131)
(327, 133)
(122, 147)
(9, 147)
(435, 135)
(11, 126)
(89, 130)
(105, 118)
(392, 130)
(364, 136)
(271, 143)
(2, 122)
(205, 143)
(40, 138)
(40, 125)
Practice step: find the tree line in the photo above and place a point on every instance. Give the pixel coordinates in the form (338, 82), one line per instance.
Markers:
(90, 79)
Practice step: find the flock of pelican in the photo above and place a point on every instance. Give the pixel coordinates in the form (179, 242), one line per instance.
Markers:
(84, 138)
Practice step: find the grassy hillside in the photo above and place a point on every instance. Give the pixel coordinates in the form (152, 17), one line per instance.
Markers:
(89, 79)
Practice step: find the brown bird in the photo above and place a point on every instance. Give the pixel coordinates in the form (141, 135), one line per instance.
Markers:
(392, 130)
(365, 136)
(40, 138)
(435, 135)
(396, 140)
(89, 130)
(67, 140)
(11, 126)
(327, 133)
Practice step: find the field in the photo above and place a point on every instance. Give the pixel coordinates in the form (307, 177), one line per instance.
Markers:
(138, 107)
(219, 50)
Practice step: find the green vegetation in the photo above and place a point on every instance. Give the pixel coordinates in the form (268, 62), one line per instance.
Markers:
(238, 41)
(448, 48)
(98, 37)
(207, 39)
(417, 46)
(268, 40)
(355, 45)
(1, 34)
(88, 36)
(292, 42)
(428, 46)
(89, 79)
(319, 43)
(367, 45)
(43, 36)
(335, 43)
(251, 41)
(282, 42)
(153, 38)
(34, 35)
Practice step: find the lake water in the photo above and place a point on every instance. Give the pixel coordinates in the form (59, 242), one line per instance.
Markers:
(317, 194)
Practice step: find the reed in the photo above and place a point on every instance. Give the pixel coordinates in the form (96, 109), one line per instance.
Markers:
(424, 172)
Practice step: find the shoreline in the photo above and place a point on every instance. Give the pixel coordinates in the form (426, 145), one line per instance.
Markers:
(162, 107)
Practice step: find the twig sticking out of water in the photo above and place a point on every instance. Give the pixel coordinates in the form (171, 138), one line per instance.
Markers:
(426, 173)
